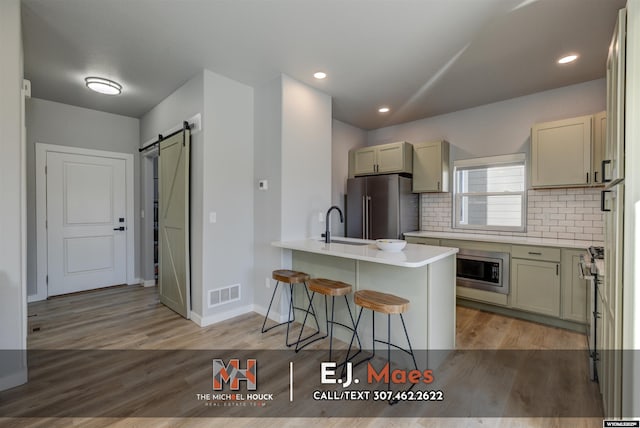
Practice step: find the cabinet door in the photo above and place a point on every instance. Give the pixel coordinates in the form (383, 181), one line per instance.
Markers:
(364, 161)
(598, 148)
(601, 328)
(390, 158)
(428, 160)
(616, 61)
(561, 153)
(574, 289)
(536, 286)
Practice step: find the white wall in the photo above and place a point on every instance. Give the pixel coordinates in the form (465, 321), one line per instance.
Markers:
(267, 165)
(631, 279)
(306, 159)
(344, 137)
(228, 191)
(221, 182)
(498, 128)
(292, 151)
(183, 103)
(62, 124)
(13, 314)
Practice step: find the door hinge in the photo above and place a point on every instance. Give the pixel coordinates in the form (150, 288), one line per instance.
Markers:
(46, 224)
(47, 279)
(45, 170)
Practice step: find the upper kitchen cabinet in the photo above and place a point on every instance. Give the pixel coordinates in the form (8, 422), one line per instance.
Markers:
(561, 153)
(613, 164)
(599, 143)
(431, 167)
(383, 159)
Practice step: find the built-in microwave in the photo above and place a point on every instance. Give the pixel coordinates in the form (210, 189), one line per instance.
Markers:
(484, 270)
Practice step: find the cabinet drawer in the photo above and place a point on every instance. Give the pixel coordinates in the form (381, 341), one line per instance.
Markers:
(423, 241)
(535, 253)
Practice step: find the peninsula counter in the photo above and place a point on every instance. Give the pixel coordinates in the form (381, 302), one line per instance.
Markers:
(423, 274)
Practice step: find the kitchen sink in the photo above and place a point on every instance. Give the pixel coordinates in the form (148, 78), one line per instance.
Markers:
(339, 241)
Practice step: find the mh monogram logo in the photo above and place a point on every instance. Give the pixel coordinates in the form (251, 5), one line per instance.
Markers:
(233, 374)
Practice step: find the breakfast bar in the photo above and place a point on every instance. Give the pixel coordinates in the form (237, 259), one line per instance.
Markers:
(423, 274)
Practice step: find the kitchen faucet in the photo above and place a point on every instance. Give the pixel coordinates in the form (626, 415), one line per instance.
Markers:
(327, 233)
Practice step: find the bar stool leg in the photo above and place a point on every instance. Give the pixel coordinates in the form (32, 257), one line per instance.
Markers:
(304, 322)
(389, 350)
(310, 310)
(291, 312)
(415, 364)
(264, 323)
(353, 323)
(355, 329)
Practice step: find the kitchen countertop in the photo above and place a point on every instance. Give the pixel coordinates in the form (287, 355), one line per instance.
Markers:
(520, 240)
(413, 255)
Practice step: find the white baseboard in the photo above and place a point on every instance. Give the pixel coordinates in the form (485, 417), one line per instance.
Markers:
(274, 315)
(36, 298)
(13, 380)
(148, 283)
(135, 281)
(213, 319)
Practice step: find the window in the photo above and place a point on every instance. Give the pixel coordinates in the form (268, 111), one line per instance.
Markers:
(490, 193)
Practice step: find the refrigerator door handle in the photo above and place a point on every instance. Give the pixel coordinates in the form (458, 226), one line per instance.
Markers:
(364, 218)
(368, 217)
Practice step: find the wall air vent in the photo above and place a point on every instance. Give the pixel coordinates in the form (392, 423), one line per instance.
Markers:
(221, 296)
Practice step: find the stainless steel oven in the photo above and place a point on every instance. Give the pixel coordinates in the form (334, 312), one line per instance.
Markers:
(484, 270)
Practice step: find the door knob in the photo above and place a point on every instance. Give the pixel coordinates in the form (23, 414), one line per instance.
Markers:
(121, 228)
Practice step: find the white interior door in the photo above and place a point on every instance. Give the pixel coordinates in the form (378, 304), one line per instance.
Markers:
(86, 222)
(173, 206)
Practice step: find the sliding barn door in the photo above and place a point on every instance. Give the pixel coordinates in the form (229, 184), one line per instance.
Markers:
(173, 207)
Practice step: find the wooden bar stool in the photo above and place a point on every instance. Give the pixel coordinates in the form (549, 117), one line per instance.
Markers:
(328, 287)
(386, 304)
(291, 277)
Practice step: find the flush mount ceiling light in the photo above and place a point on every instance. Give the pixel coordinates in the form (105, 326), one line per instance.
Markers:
(383, 109)
(567, 59)
(103, 86)
(320, 75)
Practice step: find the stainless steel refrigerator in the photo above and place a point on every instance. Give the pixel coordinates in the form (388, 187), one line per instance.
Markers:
(381, 207)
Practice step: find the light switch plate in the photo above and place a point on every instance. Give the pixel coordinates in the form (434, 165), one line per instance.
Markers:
(213, 217)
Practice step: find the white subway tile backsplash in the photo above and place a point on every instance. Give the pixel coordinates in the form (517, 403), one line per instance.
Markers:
(551, 213)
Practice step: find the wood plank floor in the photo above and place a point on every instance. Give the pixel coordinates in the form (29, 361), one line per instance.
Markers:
(131, 317)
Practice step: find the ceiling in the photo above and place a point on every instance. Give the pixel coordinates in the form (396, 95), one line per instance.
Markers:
(419, 57)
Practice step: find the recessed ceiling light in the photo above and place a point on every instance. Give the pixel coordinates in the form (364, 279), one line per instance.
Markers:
(103, 86)
(383, 109)
(319, 75)
(567, 59)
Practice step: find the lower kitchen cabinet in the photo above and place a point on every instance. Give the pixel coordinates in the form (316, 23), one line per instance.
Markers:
(543, 280)
(535, 286)
(574, 289)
